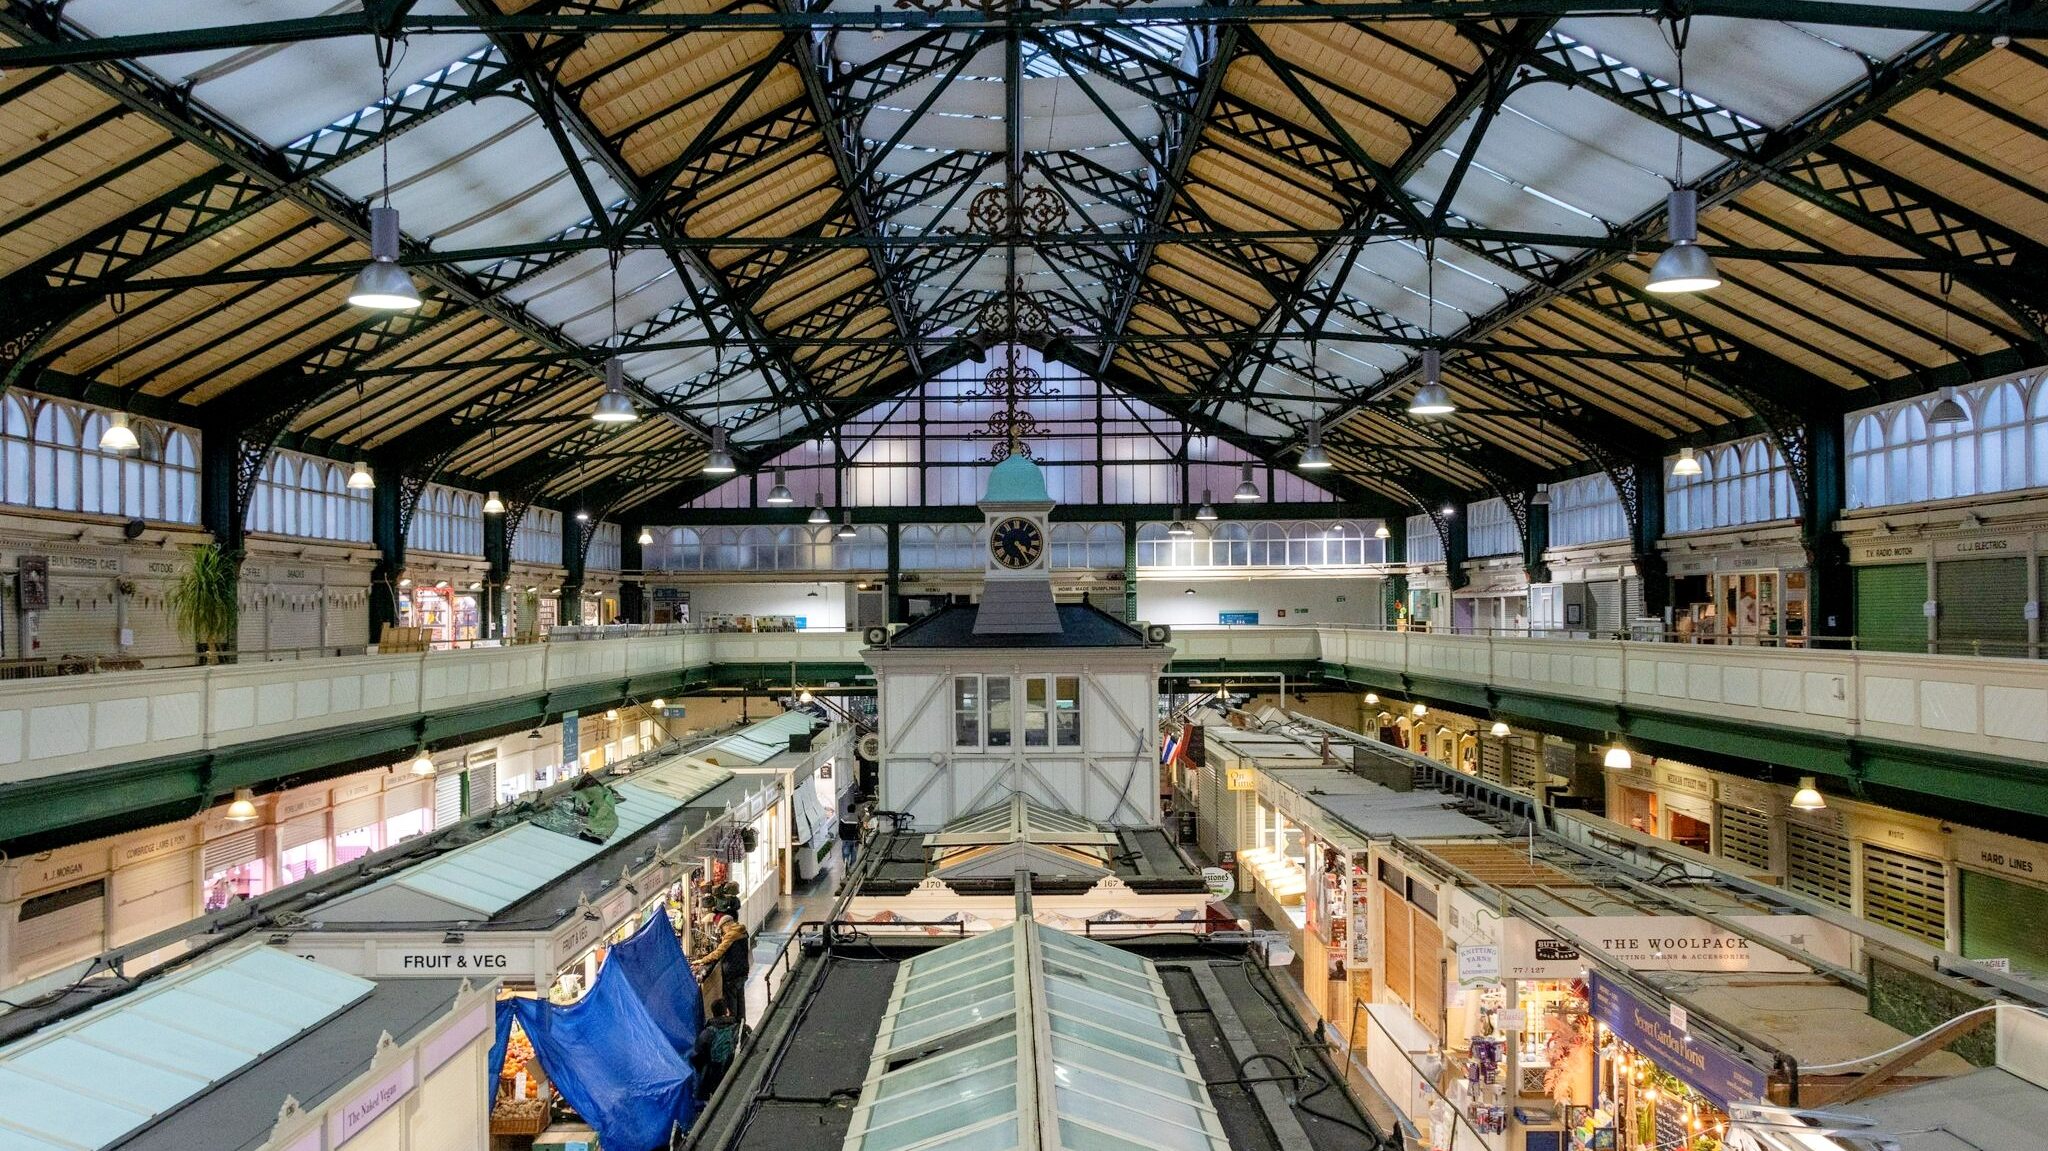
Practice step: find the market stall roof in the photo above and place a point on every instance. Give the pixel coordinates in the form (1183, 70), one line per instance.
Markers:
(1984, 1109)
(1376, 812)
(478, 881)
(978, 1033)
(760, 742)
(1020, 834)
(212, 1040)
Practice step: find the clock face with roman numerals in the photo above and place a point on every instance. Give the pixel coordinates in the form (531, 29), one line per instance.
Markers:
(1015, 543)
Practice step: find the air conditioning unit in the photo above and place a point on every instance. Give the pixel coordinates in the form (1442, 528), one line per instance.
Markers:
(1158, 633)
(875, 636)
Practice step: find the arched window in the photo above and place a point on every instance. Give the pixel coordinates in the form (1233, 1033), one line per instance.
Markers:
(604, 549)
(2001, 457)
(1905, 465)
(16, 446)
(1587, 510)
(1153, 551)
(1744, 482)
(1230, 545)
(1866, 463)
(1268, 546)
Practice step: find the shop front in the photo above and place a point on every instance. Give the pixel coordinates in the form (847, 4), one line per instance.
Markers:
(1659, 1085)
(1726, 591)
(1274, 871)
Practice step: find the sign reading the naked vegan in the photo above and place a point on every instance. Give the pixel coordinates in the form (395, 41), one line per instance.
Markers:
(1709, 1070)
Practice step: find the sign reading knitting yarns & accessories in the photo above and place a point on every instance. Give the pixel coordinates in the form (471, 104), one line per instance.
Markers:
(1646, 943)
(1708, 1069)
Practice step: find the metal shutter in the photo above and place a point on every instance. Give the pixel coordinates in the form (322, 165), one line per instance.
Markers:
(482, 767)
(302, 831)
(1605, 608)
(2002, 920)
(1631, 599)
(1817, 864)
(57, 927)
(228, 851)
(1523, 765)
(152, 897)
(1491, 766)
(1745, 836)
(1888, 607)
(448, 798)
(1981, 606)
(1906, 892)
(357, 814)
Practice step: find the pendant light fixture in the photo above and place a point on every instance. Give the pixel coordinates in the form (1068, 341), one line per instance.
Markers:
(382, 285)
(1419, 710)
(1247, 491)
(1540, 498)
(614, 406)
(243, 809)
(493, 506)
(1372, 697)
(1686, 464)
(1383, 532)
(719, 461)
(818, 513)
(1207, 511)
(1499, 729)
(1947, 411)
(1618, 758)
(1684, 266)
(582, 517)
(779, 494)
(1431, 398)
(1177, 528)
(360, 479)
(1313, 458)
(118, 437)
(423, 764)
(646, 537)
(846, 531)
(1808, 797)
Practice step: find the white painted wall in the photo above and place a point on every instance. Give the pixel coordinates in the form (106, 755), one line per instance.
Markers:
(1327, 600)
(828, 610)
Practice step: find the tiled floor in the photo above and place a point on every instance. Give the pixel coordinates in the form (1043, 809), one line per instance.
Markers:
(810, 901)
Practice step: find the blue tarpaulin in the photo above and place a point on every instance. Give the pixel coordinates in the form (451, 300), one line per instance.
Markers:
(610, 1060)
(652, 961)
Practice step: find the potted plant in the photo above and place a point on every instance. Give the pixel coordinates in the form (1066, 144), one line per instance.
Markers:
(205, 601)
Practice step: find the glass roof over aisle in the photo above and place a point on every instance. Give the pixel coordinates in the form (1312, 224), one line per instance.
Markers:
(1028, 1037)
(1019, 834)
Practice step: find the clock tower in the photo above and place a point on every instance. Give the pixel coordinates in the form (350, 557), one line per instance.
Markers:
(1016, 590)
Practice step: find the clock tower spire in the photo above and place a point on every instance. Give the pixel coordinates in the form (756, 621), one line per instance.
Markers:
(1016, 591)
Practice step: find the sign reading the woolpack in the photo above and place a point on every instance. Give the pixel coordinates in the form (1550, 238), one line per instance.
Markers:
(1658, 943)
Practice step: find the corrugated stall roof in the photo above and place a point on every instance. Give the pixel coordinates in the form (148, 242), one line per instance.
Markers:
(763, 741)
(91, 1080)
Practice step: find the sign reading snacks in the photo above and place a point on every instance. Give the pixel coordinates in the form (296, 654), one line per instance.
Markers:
(1709, 1070)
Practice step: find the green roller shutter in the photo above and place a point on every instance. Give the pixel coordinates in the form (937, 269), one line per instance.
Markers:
(1889, 615)
(1982, 606)
(2002, 920)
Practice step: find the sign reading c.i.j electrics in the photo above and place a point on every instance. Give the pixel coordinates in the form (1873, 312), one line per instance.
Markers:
(1711, 1071)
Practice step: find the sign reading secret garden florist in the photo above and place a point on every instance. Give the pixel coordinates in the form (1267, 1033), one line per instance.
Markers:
(1709, 1070)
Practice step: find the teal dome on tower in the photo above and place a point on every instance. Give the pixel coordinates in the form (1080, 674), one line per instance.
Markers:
(1016, 480)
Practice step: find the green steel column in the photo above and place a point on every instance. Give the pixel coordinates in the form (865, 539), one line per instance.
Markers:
(1831, 593)
(390, 541)
(1648, 530)
(1130, 571)
(1456, 548)
(1536, 541)
(1394, 592)
(575, 543)
(498, 563)
(632, 592)
(893, 582)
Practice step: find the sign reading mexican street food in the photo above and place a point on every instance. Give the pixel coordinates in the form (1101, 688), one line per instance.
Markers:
(1709, 1070)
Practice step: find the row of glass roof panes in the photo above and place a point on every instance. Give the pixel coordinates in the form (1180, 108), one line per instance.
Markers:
(962, 1055)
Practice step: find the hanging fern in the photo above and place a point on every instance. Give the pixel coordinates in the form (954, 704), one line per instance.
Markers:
(205, 600)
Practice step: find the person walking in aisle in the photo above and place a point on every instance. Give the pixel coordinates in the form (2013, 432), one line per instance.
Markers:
(712, 1054)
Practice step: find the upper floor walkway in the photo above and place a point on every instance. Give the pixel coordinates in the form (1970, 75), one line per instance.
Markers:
(1971, 728)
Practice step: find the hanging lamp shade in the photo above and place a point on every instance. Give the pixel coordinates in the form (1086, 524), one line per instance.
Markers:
(423, 764)
(1177, 528)
(1372, 697)
(1383, 532)
(779, 494)
(1540, 497)
(360, 478)
(1247, 491)
(118, 437)
(243, 809)
(818, 515)
(1684, 266)
(493, 506)
(1686, 464)
(614, 406)
(1808, 797)
(846, 531)
(1313, 458)
(1947, 412)
(1618, 758)
(382, 285)
(1432, 398)
(1499, 729)
(646, 537)
(1207, 511)
(719, 461)
(1419, 710)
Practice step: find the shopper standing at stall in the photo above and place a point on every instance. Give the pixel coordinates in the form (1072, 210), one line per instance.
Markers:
(733, 956)
(712, 1053)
